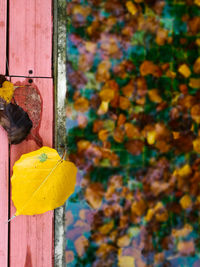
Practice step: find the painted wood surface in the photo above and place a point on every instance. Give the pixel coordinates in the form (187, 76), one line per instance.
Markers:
(4, 206)
(31, 237)
(3, 197)
(30, 38)
(3, 19)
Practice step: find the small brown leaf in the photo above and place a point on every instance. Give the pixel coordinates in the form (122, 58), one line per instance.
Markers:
(134, 147)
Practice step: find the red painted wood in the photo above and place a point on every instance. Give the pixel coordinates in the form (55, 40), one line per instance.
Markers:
(31, 237)
(4, 203)
(30, 38)
(3, 18)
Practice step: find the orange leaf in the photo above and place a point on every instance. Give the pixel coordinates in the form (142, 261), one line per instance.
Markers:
(194, 83)
(83, 145)
(154, 96)
(128, 89)
(124, 103)
(196, 66)
(195, 113)
(103, 71)
(118, 135)
(81, 104)
(131, 131)
(103, 135)
(161, 36)
(148, 67)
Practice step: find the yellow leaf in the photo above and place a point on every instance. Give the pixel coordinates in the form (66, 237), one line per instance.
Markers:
(41, 181)
(185, 171)
(123, 241)
(184, 70)
(6, 91)
(186, 202)
(126, 261)
(197, 2)
(107, 95)
(131, 7)
(151, 137)
(196, 145)
(103, 108)
(183, 232)
(198, 40)
(106, 228)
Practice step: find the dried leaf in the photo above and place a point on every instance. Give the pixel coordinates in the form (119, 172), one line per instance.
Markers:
(128, 89)
(94, 195)
(134, 147)
(131, 131)
(118, 135)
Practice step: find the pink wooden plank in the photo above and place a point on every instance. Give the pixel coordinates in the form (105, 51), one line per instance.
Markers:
(31, 237)
(30, 38)
(3, 198)
(3, 18)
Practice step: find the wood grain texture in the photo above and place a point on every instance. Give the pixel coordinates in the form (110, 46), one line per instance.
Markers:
(4, 203)
(3, 19)
(31, 237)
(30, 38)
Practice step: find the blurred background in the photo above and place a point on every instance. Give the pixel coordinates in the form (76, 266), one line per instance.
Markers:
(133, 114)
